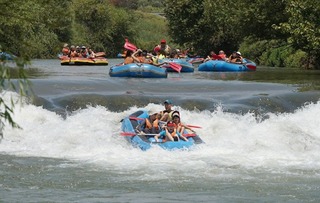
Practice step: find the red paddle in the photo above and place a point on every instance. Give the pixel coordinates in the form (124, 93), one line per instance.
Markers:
(252, 67)
(133, 134)
(129, 46)
(190, 135)
(135, 118)
(175, 66)
(193, 126)
(127, 134)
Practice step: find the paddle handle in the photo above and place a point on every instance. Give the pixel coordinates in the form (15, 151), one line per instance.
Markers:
(134, 134)
(193, 126)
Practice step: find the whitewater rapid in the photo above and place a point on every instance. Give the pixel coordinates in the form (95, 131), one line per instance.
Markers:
(92, 136)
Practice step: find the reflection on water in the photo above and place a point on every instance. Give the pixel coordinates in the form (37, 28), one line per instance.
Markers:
(307, 80)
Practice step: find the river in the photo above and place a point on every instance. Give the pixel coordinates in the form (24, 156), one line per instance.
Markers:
(261, 132)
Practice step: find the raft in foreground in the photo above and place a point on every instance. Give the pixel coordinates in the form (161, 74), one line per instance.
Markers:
(223, 66)
(138, 70)
(145, 142)
(78, 61)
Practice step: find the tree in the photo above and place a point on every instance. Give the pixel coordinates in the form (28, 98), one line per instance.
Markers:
(185, 22)
(100, 25)
(33, 28)
(7, 110)
(303, 27)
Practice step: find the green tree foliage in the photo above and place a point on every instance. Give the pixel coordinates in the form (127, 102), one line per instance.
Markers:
(38, 28)
(32, 28)
(186, 22)
(257, 17)
(149, 30)
(100, 25)
(129, 4)
(303, 28)
(22, 86)
(214, 25)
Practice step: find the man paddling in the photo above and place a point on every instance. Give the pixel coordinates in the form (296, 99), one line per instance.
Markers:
(166, 115)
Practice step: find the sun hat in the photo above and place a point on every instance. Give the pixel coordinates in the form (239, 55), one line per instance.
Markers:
(152, 112)
(175, 114)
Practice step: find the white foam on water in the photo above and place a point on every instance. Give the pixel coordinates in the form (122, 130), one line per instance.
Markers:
(92, 136)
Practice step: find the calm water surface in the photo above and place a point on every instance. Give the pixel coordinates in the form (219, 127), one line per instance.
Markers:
(261, 131)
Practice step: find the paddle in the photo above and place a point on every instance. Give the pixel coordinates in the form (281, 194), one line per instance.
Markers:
(252, 67)
(128, 134)
(175, 66)
(190, 135)
(129, 46)
(100, 54)
(134, 134)
(135, 118)
(193, 126)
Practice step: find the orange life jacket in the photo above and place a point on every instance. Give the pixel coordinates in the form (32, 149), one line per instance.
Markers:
(223, 56)
(65, 51)
(154, 124)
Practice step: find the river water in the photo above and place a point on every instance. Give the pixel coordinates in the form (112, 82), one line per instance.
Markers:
(261, 132)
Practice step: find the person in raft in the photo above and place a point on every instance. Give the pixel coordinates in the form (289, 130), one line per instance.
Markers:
(65, 50)
(222, 55)
(180, 127)
(166, 115)
(235, 57)
(131, 57)
(163, 46)
(169, 133)
(149, 125)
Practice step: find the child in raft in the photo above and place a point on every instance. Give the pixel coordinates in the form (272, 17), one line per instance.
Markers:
(170, 133)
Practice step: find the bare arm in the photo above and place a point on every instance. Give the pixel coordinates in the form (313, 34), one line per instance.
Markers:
(135, 59)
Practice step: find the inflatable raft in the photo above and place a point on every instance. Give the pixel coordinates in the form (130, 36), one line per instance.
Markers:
(221, 66)
(138, 70)
(78, 61)
(186, 66)
(146, 141)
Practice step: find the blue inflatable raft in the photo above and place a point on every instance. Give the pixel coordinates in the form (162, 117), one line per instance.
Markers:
(186, 66)
(221, 66)
(146, 141)
(138, 70)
